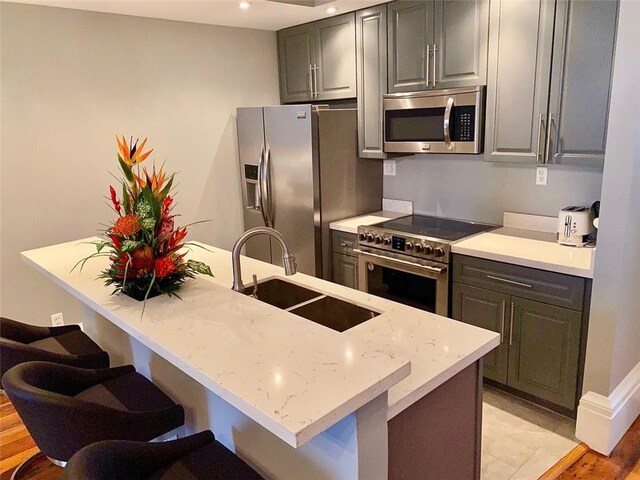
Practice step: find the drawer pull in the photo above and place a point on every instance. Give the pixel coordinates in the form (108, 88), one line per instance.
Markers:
(346, 244)
(520, 284)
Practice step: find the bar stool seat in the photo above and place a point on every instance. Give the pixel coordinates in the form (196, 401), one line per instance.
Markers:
(66, 408)
(197, 457)
(68, 345)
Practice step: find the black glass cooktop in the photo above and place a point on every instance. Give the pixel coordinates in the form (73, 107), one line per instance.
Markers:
(435, 227)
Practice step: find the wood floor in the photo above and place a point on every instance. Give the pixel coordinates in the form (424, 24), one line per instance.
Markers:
(579, 464)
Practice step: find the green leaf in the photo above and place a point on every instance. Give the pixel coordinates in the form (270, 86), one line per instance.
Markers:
(199, 267)
(165, 191)
(152, 201)
(126, 169)
(100, 246)
(126, 201)
(130, 245)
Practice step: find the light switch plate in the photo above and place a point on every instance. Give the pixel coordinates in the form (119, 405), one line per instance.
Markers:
(390, 168)
(541, 176)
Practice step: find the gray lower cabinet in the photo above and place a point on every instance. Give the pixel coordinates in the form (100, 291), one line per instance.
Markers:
(317, 61)
(544, 351)
(437, 44)
(371, 62)
(541, 343)
(345, 260)
(548, 91)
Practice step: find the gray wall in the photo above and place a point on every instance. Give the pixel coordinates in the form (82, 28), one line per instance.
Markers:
(468, 188)
(613, 347)
(70, 81)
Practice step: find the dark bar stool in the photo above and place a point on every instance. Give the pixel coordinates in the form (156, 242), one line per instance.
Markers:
(66, 408)
(198, 457)
(68, 345)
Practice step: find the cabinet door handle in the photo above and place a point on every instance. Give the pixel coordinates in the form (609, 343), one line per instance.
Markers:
(315, 79)
(540, 130)
(504, 307)
(435, 63)
(513, 306)
(427, 59)
(549, 150)
(311, 80)
(513, 282)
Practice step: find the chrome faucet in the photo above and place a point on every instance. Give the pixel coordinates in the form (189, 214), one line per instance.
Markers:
(288, 260)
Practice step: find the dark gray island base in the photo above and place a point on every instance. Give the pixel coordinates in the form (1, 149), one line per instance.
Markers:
(439, 436)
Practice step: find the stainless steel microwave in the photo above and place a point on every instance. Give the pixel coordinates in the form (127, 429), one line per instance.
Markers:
(435, 121)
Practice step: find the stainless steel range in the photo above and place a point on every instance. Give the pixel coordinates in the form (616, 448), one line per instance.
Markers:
(407, 259)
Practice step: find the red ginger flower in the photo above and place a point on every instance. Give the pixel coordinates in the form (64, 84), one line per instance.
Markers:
(114, 199)
(164, 267)
(126, 226)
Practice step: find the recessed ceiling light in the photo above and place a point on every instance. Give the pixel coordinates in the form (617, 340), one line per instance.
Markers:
(332, 10)
(244, 5)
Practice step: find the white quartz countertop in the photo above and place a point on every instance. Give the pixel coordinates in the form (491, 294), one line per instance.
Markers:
(529, 249)
(294, 377)
(350, 225)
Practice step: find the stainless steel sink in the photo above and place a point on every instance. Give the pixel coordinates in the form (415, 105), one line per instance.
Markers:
(311, 305)
(334, 313)
(282, 294)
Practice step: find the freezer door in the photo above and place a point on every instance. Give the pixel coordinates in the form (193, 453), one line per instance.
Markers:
(292, 203)
(250, 124)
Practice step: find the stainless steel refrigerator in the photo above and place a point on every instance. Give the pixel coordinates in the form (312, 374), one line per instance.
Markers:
(300, 171)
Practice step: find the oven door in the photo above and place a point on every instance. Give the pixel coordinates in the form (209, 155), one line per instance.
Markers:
(411, 281)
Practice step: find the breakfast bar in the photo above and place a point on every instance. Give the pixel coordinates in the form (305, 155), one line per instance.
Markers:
(294, 398)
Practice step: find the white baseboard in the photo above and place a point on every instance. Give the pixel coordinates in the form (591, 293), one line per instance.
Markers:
(602, 421)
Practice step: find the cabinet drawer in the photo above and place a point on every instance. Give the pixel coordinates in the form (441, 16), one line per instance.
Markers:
(344, 243)
(547, 287)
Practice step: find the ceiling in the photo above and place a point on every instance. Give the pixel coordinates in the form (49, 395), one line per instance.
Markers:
(262, 14)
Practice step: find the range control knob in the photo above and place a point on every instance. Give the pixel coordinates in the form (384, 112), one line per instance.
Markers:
(370, 237)
(419, 248)
(387, 241)
(409, 246)
(363, 236)
(428, 250)
(378, 239)
(439, 252)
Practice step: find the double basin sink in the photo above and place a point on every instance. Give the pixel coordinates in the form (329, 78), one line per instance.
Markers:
(311, 305)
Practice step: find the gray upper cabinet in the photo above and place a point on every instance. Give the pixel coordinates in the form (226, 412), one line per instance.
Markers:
(296, 57)
(437, 44)
(461, 38)
(521, 36)
(317, 61)
(544, 112)
(410, 34)
(581, 81)
(371, 61)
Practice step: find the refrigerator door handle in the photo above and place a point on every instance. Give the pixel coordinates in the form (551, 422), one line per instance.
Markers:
(269, 198)
(261, 188)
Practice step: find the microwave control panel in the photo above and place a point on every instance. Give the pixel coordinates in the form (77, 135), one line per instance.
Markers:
(463, 124)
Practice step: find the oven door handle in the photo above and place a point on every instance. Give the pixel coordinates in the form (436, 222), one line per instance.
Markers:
(438, 270)
(447, 123)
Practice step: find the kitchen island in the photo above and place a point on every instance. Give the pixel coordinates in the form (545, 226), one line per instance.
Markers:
(294, 398)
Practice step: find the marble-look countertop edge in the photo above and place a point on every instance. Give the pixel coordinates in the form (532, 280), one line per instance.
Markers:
(344, 224)
(405, 402)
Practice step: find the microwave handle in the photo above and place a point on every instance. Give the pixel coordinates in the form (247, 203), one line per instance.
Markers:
(447, 124)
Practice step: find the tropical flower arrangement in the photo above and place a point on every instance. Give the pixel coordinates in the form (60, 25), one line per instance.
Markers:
(143, 244)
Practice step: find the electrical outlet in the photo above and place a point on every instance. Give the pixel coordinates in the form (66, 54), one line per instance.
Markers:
(541, 176)
(390, 168)
(57, 320)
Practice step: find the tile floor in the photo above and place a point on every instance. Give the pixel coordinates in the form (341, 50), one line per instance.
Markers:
(519, 440)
